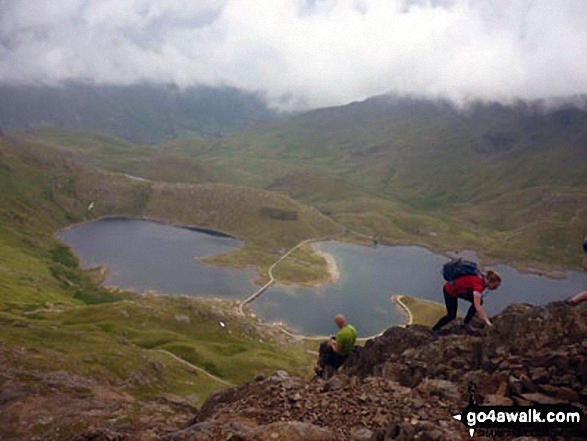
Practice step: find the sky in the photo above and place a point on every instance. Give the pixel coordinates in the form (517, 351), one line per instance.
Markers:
(304, 53)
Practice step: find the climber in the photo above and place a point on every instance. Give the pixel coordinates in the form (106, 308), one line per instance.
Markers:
(469, 288)
(335, 351)
(582, 296)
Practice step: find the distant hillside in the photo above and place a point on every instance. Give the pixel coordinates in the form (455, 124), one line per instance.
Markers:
(388, 144)
(507, 181)
(510, 181)
(75, 355)
(143, 113)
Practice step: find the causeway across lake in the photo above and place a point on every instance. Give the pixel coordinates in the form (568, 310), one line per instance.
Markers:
(145, 255)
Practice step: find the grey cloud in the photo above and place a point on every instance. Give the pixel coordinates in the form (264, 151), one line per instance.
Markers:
(304, 53)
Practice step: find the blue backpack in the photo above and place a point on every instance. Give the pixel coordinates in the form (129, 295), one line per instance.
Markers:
(456, 268)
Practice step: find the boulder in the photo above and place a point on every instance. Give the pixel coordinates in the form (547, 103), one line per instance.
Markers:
(279, 376)
(335, 383)
(538, 398)
(420, 431)
(361, 434)
(562, 393)
(441, 388)
(405, 385)
(212, 430)
(290, 431)
(515, 385)
(391, 343)
(101, 434)
(524, 330)
(497, 400)
(539, 375)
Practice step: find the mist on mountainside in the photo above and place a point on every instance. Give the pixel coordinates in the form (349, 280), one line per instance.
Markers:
(141, 113)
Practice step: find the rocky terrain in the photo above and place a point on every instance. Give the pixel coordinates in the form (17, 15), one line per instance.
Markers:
(405, 385)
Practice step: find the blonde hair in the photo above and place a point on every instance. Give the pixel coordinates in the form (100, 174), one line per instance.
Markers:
(492, 277)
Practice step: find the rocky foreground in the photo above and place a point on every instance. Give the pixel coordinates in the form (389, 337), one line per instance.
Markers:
(405, 385)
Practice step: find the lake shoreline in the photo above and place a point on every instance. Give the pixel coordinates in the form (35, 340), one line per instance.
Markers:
(550, 272)
(371, 275)
(396, 299)
(197, 228)
(332, 265)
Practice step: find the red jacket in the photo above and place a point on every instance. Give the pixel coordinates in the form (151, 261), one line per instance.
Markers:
(465, 286)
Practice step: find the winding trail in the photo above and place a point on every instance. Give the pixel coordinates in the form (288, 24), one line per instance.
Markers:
(271, 281)
(261, 290)
(197, 368)
(397, 299)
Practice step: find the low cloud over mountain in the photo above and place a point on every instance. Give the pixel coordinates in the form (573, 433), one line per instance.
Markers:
(304, 53)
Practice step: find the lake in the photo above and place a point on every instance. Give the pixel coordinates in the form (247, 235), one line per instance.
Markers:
(370, 275)
(145, 255)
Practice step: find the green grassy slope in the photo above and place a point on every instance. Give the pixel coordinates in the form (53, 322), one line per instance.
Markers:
(510, 182)
(65, 341)
(157, 163)
(424, 312)
(260, 218)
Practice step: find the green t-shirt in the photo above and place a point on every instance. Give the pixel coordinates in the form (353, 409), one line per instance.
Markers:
(345, 338)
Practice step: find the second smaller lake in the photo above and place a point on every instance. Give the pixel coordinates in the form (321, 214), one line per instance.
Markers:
(145, 255)
(369, 276)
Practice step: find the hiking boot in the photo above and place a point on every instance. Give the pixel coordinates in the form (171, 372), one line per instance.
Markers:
(319, 370)
(435, 334)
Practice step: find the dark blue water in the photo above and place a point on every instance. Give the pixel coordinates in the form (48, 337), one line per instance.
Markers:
(369, 276)
(145, 255)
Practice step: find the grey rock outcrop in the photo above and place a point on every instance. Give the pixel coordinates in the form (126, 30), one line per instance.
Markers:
(406, 385)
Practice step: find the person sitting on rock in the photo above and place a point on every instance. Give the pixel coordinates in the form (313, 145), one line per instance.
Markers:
(469, 288)
(335, 351)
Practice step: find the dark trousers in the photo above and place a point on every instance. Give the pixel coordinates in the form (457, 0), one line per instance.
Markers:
(452, 305)
(330, 358)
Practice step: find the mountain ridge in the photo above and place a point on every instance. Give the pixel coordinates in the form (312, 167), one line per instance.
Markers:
(141, 113)
(71, 348)
(400, 171)
(507, 181)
